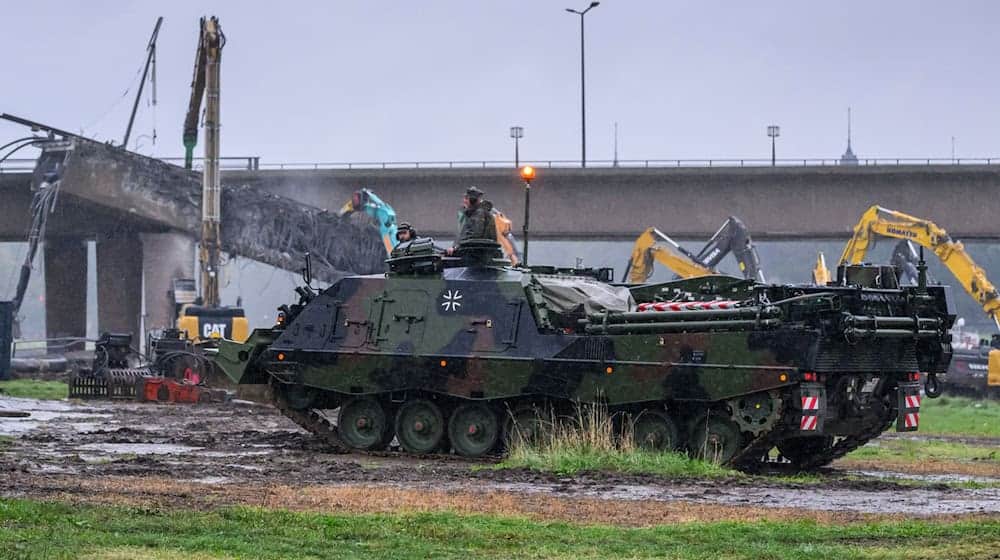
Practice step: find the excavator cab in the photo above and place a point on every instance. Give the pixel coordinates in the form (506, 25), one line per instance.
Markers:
(201, 323)
(993, 368)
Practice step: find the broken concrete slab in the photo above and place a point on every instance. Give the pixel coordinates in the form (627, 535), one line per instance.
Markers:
(256, 224)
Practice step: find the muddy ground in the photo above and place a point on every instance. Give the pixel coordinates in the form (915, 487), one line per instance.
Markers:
(202, 456)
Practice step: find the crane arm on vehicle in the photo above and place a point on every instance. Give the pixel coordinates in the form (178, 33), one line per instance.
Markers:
(878, 221)
(652, 245)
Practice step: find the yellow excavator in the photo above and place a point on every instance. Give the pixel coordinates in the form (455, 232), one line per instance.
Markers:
(654, 245)
(205, 318)
(878, 221)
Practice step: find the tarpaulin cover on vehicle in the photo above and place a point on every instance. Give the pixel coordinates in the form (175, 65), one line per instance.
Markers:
(576, 295)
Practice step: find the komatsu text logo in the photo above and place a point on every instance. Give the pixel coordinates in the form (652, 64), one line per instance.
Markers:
(901, 232)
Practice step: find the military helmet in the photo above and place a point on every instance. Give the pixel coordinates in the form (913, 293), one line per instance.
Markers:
(405, 226)
(473, 192)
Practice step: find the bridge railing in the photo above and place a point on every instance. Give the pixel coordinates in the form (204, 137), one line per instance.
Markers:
(630, 163)
(253, 163)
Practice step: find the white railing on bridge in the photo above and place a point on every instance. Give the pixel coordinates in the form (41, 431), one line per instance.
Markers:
(253, 163)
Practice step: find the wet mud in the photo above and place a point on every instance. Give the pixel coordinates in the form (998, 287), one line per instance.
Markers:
(220, 453)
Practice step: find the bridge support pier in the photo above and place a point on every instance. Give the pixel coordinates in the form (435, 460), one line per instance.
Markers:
(119, 284)
(165, 256)
(65, 287)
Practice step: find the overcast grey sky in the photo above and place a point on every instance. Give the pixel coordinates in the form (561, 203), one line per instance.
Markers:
(444, 79)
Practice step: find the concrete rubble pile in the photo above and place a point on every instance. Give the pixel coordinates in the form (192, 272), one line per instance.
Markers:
(256, 224)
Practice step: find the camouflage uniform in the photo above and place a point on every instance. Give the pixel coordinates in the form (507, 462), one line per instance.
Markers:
(477, 224)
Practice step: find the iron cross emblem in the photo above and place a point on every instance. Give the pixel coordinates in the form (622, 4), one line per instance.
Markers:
(451, 300)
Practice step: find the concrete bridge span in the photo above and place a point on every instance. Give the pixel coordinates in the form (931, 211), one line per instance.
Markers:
(617, 203)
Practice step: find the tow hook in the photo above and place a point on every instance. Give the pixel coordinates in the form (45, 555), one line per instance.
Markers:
(931, 387)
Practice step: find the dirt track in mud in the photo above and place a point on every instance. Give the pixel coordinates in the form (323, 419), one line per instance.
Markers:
(202, 456)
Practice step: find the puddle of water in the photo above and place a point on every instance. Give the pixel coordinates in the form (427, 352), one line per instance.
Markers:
(140, 448)
(220, 454)
(908, 501)
(210, 480)
(927, 477)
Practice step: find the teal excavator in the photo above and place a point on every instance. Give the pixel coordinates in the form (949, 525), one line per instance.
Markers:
(366, 201)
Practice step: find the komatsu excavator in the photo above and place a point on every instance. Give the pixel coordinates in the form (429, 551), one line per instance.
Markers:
(654, 245)
(878, 221)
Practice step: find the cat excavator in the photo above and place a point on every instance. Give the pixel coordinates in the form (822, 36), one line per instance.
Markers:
(878, 221)
(654, 245)
(204, 318)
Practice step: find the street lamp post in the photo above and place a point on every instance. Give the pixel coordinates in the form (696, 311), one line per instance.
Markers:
(773, 131)
(516, 132)
(527, 175)
(583, 86)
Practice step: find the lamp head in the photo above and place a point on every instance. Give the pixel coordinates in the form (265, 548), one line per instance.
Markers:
(528, 174)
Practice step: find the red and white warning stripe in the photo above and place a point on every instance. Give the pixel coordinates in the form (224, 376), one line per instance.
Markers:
(810, 403)
(912, 401)
(809, 423)
(911, 420)
(688, 305)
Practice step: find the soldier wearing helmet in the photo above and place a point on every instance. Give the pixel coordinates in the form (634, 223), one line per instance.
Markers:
(475, 221)
(405, 232)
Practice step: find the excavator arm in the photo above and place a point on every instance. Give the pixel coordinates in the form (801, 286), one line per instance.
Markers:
(878, 221)
(384, 215)
(733, 237)
(209, 43)
(654, 245)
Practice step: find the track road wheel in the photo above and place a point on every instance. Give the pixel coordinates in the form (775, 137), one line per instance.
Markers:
(523, 425)
(655, 431)
(803, 451)
(362, 423)
(473, 429)
(715, 439)
(420, 426)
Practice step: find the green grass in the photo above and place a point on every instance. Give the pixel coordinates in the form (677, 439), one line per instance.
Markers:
(960, 416)
(592, 440)
(35, 389)
(575, 460)
(913, 450)
(55, 531)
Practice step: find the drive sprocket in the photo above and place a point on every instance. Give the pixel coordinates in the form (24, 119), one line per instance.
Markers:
(756, 413)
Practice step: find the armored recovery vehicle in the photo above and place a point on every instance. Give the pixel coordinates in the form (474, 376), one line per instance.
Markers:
(456, 354)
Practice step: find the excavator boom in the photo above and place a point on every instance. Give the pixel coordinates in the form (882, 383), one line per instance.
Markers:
(732, 237)
(652, 245)
(384, 215)
(210, 57)
(878, 221)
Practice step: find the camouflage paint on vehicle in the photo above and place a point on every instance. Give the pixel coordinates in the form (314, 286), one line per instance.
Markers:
(454, 331)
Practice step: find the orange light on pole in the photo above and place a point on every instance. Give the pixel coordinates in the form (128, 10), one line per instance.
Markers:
(527, 175)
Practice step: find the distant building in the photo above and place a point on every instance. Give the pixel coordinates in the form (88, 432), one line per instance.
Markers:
(849, 158)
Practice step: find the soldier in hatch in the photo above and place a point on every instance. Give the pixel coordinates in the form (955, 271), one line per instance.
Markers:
(405, 232)
(476, 222)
